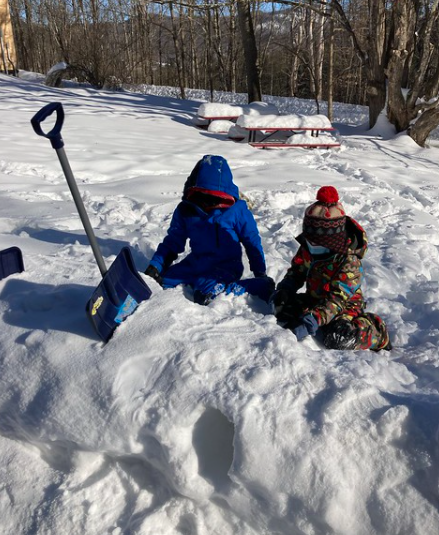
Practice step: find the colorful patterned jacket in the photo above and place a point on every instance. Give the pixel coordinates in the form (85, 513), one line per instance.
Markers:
(333, 281)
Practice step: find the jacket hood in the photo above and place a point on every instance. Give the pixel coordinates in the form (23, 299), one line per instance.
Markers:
(212, 173)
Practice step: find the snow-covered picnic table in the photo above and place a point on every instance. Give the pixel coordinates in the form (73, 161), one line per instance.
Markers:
(289, 131)
(262, 125)
(213, 111)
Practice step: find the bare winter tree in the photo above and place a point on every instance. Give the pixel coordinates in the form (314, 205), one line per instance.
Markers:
(315, 47)
(250, 50)
(109, 42)
(401, 58)
(330, 94)
(414, 49)
(390, 59)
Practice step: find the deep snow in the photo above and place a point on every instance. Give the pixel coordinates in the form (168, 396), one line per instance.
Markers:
(209, 420)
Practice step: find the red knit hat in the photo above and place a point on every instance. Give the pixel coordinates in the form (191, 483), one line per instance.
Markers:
(325, 221)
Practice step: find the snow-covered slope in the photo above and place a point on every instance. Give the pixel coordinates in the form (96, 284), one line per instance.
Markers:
(208, 420)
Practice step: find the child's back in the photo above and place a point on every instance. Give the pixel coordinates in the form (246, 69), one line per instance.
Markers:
(216, 222)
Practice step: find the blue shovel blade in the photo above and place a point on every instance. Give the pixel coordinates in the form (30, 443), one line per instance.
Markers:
(117, 296)
(11, 261)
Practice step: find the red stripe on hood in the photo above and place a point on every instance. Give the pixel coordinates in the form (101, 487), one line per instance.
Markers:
(229, 200)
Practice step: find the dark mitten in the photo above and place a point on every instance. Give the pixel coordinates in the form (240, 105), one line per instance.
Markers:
(265, 277)
(268, 283)
(341, 334)
(308, 326)
(201, 298)
(153, 272)
(279, 300)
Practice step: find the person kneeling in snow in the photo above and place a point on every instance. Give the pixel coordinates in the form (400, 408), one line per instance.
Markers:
(216, 222)
(329, 262)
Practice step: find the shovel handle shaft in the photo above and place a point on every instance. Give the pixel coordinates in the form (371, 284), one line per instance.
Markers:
(81, 209)
(53, 135)
(55, 138)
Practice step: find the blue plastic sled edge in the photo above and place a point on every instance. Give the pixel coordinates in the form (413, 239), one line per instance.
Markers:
(11, 261)
(117, 296)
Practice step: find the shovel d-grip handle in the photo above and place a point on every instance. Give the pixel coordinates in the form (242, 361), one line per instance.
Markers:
(58, 144)
(53, 135)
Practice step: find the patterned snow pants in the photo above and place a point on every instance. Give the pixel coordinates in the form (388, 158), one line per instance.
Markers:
(370, 333)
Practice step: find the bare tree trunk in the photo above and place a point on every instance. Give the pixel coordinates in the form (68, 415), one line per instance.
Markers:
(175, 38)
(219, 48)
(3, 53)
(426, 77)
(148, 47)
(18, 31)
(331, 65)
(160, 46)
(428, 121)
(250, 50)
(7, 42)
(426, 81)
(319, 44)
(296, 30)
(310, 50)
(376, 84)
(23, 22)
(193, 68)
(404, 23)
(264, 45)
(209, 68)
(182, 50)
(232, 49)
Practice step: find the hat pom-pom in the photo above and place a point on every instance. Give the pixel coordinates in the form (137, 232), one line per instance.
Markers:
(328, 195)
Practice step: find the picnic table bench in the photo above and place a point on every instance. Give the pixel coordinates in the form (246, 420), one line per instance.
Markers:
(285, 131)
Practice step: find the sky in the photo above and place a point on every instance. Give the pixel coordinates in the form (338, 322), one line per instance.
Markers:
(209, 420)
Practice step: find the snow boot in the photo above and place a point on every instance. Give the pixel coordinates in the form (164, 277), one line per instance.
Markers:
(341, 334)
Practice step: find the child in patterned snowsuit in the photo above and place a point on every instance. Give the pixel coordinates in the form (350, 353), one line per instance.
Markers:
(216, 222)
(328, 261)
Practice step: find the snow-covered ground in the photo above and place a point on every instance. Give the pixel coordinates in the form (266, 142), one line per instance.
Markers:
(209, 420)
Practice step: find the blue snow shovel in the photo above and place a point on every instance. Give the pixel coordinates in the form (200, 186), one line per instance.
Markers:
(121, 288)
(11, 261)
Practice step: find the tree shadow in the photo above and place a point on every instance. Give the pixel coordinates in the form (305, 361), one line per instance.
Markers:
(108, 246)
(47, 307)
(131, 103)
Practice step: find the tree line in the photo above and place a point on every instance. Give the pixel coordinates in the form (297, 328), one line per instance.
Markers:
(379, 53)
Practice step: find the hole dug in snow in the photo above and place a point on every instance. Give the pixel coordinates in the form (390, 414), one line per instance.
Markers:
(213, 443)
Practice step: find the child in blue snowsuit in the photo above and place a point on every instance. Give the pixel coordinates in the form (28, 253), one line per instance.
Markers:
(216, 222)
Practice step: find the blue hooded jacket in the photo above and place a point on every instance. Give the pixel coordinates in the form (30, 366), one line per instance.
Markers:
(215, 236)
